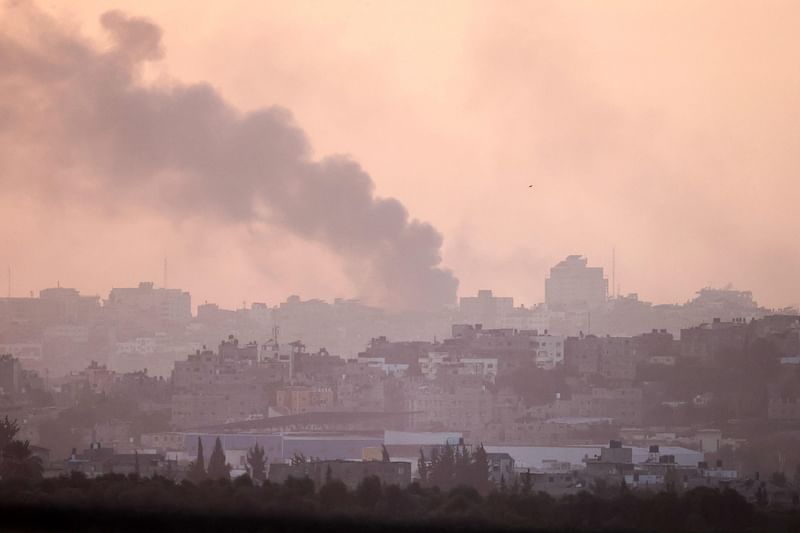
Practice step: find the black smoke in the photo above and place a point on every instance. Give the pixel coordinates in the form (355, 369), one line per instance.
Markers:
(75, 117)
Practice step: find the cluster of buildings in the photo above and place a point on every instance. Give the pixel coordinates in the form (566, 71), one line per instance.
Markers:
(147, 326)
(540, 386)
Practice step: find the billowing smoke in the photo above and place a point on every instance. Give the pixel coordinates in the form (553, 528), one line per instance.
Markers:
(78, 121)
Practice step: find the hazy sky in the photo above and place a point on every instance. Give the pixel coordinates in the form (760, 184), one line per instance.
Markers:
(670, 130)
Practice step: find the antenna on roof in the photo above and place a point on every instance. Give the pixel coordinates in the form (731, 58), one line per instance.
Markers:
(165, 272)
(614, 271)
(9, 281)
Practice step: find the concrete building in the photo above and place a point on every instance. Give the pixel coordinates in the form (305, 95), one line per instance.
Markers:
(574, 286)
(485, 308)
(715, 341)
(97, 461)
(623, 405)
(614, 462)
(611, 357)
(201, 409)
(55, 306)
(146, 301)
(511, 348)
(229, 385)
(302, 399)
(451, 403)
(784, 403)
(501, 468)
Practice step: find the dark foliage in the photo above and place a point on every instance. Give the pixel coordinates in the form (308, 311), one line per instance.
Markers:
(17, 462)
(217, 467)
(197, 469)
(257, 463)
(129, 503)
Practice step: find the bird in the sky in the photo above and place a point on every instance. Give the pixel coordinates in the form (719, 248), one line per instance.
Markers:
(529, 186)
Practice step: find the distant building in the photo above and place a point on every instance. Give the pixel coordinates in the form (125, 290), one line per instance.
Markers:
(610, 357)
(623, 405)
(614, 462)
(10, 374)
(501, 468)
(485, 308)
(302, 399)
(449, 403)
(98, 378)
(230, 385)
(58, 305)
(784, 402)
(511, 348)
(164, 305)
(97, 461)
(574, 286)
(714, 342)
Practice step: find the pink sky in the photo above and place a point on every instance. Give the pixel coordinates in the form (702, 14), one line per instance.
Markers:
(668, 130)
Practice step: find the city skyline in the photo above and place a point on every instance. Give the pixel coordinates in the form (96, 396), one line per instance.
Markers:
(693, 184)
(231, 302)
(399, 265)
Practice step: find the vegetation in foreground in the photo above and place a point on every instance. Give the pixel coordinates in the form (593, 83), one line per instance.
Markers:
(128, 503)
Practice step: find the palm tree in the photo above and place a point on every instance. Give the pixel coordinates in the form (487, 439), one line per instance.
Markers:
(19, 462)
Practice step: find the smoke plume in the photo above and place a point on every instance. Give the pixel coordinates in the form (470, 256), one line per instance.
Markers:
(78, 121)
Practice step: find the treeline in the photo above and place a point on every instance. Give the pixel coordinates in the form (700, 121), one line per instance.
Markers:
(129, 503)
(455, 466)
(17, 460)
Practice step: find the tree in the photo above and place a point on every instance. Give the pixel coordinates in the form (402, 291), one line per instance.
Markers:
(333, 495)
(257, 463)
(671, 480)
(8, 430)
(623, 487)
(369, 492)
(443, 468)
(779, 479)
(217, 468)
(480, 470)
(197, 469)
(462, 474)
(298, 459)
(527, 484)
(19, 462)
(761, 495)
(169, 473)
(422, 468)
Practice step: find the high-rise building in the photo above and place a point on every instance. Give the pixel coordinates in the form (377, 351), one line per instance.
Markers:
(168, 305)
(574, 286)
(485, 308)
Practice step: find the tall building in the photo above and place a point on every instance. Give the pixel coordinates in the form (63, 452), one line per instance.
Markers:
(166, 305)
(485, 308)
(54, 306)
(573, 286)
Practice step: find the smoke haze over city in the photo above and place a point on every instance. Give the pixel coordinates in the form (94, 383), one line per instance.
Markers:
(679, 150)
(353, 265)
